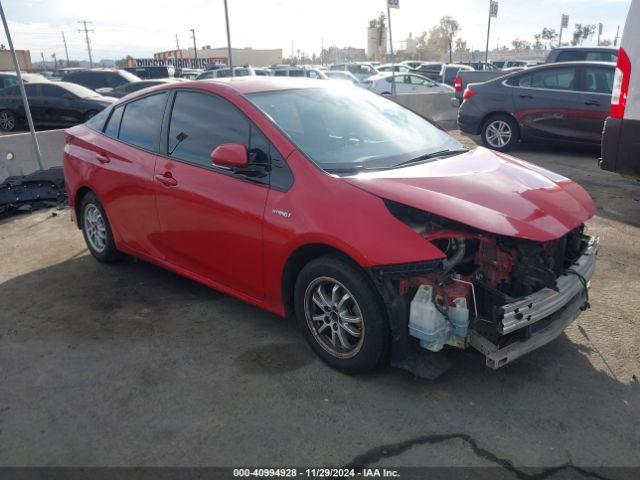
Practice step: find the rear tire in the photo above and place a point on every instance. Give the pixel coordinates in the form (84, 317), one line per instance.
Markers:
(97, 231)
(341, 315)
(8, 121)
(500, 132)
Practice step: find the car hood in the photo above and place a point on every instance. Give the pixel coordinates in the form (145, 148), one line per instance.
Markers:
(489, 191)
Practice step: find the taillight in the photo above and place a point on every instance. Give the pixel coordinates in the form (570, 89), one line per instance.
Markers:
(468, 94)
(620, 85)
(457, 84)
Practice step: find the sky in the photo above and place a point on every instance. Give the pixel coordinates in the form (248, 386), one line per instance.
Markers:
(141, 27)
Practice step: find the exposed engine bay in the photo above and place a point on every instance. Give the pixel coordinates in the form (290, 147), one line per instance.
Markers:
(490, 292)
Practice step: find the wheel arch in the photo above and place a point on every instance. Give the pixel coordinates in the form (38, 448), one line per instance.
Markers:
(496, 113)
(296, 262)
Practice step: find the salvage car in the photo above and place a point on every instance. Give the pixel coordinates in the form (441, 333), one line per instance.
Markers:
(376, 229)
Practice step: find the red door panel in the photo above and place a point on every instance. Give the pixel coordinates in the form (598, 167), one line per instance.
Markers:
(126, 188)
(211, 224)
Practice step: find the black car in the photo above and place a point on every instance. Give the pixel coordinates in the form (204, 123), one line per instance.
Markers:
(562, 101)
(430, 70)
(101, 78)
(128, 88)
(9, 79)
(52, 104)
(149, 73)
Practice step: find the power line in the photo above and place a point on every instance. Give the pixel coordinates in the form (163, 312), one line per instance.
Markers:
(86, 36)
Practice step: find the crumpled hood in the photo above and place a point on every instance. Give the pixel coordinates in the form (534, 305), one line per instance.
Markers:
(487, 190)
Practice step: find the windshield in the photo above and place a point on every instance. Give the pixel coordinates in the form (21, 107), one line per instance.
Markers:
(344, 128)
(79, 90)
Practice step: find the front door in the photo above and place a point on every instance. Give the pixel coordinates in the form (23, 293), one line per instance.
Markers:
(548, 103)
(60, 106)
(210, 217)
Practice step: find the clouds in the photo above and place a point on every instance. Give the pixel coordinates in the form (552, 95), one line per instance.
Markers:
(141, 27)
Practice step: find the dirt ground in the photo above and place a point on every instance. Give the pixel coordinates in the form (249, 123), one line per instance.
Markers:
(133, 365)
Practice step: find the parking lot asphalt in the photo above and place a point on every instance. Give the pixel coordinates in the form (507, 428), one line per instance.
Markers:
(130, 364)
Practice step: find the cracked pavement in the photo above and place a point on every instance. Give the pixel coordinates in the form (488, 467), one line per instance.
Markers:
(133, 365)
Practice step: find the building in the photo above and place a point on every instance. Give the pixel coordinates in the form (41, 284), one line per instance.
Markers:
(205, 55)
(6, 61)
(411, 45)
(377, 40)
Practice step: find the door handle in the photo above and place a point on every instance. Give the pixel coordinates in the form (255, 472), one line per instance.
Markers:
(592, 103)
(526, 96)
(102, 158)
(166, 179)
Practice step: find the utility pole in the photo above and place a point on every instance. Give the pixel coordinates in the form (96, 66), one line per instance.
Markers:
(226, 16)
(66, 52)
(564, 23)
(42, 57)
(321, 50)
(86, 37)
(493, 12)
(600, 27)
(393, 57)
(615, 40)
(195, 49)
(55, 61)
(23, 93)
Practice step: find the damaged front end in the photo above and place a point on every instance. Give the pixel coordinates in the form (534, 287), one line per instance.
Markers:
(504, 296)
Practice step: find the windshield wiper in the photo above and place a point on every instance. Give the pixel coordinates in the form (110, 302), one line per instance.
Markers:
(431, 156)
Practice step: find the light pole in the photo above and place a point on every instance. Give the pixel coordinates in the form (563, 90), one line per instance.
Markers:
(195, 49)
(226, 15)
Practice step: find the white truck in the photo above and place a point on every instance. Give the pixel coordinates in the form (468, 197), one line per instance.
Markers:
(621, 138)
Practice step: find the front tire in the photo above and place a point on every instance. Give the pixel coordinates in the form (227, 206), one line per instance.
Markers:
(8, 121)
(97, 231)
(341, 315)
(500, 132)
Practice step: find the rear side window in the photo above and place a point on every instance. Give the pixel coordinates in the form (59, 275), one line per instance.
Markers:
(296, 73)
(549, 78)
(280, 73)
(113, 126)
(97, 121)
(141, 120)
(602, 57)
(199, 123)
(598, 80)
(571, 56)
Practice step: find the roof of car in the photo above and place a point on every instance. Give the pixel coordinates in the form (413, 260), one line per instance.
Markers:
(255, 84)
(604, 49)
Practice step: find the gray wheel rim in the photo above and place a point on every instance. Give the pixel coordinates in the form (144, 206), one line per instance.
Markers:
(498, 133)
(334, 317)
(7, 122)
(95, 227)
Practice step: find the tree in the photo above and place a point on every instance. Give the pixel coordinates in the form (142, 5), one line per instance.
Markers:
(461, 45)
(538, 45)
(550, 35)
(518, 44)
(582, 33)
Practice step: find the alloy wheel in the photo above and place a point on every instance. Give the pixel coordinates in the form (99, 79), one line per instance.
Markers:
(334, 317)
(95, 228)
(7, 121)
(498, 133)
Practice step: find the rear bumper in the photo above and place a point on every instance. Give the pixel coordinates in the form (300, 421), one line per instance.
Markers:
(469, 118)
(620, 146)
(547, 313)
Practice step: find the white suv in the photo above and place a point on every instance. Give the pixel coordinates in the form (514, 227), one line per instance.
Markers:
(621, 139)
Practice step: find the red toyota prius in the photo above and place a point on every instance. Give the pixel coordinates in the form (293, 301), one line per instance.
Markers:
(379, 232)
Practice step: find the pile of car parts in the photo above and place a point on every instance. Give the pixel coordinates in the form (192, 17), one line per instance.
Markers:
(42, 189)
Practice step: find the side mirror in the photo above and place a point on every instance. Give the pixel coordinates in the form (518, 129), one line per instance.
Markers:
(230, 155)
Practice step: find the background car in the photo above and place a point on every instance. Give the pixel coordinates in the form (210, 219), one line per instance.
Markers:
(579, 54)
(52, 104)
(59, 73)
(563, 101)
(128, 88)
(412, 64)
(8, 79)
(147, 73)
(621, 138)
(430, 70)
(226, 72)
(300, 72)
(101, 78)
(361, 71)
(449, 72)
(388, 67)
(405, 83)
(342, 75)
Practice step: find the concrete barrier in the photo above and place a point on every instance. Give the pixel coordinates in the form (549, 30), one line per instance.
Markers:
(18, 157)
(436, 106)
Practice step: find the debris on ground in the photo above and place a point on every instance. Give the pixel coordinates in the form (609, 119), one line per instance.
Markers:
(42, 189)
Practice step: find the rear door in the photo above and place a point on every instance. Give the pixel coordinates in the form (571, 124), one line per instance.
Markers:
(596, 87)
(548, 104)
(211, 217)
(125, 182)
(60, 106)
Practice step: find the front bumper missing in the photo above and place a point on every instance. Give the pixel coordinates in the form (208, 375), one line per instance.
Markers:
(548, 314)
(540, 305)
